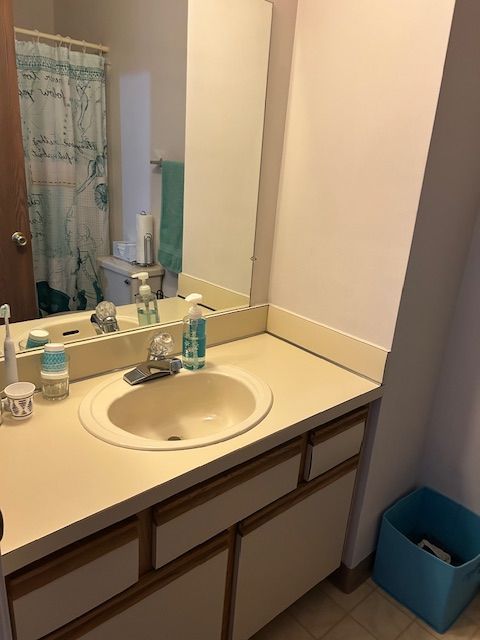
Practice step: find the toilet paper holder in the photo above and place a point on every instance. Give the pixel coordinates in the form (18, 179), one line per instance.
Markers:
(147, 251)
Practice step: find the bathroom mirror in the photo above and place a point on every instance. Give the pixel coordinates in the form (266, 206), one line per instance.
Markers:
(185, 84)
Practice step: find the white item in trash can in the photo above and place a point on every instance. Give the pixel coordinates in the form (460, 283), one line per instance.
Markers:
(442, 555)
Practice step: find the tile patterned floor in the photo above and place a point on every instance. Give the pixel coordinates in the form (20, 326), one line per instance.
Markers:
(366, 614)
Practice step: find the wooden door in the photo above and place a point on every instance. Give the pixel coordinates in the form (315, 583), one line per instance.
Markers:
(17, 286)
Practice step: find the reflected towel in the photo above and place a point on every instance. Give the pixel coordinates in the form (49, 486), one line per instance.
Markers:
(171, 223)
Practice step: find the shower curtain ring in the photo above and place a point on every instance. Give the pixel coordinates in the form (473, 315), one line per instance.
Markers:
(68, 41)
(37, 33)
(84, 46)
(59, 41)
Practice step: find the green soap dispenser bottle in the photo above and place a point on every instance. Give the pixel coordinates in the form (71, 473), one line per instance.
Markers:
(194, 335)
(146, 301)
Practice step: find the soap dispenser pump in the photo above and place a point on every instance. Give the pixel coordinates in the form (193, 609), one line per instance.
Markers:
(146, 301)
(194, 337)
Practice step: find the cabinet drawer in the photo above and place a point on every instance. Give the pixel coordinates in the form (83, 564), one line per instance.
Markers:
(181, 601)
(189, 519)
(290, 547)
(334, 443)
(58, 589)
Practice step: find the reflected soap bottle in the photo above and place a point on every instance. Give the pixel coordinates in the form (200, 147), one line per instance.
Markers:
(147, 306)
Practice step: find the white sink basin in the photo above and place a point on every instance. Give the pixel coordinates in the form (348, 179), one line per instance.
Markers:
(186, 410)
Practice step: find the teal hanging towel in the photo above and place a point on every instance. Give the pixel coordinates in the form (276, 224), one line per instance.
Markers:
(171, 223)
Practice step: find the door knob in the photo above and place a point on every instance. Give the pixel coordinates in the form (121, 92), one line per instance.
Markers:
(19, 239)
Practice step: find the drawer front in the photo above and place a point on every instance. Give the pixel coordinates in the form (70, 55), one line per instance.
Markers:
(287, 555)
(328, 454)
(176, 533)
(72, 582)
(334, 443)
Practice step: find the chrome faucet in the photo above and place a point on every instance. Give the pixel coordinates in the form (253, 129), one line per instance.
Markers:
(157, 364)
(105, 318)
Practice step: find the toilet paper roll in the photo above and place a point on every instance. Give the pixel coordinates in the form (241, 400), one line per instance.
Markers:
(144, 230)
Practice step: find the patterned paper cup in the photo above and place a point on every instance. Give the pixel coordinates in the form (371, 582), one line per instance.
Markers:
(20, 399)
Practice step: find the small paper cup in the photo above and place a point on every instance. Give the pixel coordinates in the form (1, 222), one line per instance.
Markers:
(20, 399)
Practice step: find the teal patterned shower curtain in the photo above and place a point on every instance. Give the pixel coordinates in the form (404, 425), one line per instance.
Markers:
(63, 112)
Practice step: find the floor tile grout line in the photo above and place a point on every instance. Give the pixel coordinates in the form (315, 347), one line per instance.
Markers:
(356, 605)
(334, 625)
(406, 629)
(369, 631)
(392, 603)
(347, 612)
(301, 625)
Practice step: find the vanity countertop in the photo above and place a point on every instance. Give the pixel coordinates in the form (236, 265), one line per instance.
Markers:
(59, 484)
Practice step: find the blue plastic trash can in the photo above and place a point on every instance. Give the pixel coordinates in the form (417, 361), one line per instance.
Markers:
(434, 590)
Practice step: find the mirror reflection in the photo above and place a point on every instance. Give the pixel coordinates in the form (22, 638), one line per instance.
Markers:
(142, 129)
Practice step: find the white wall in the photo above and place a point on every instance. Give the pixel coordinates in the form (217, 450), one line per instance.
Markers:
(392, 460)
(34, 14)
(365, 83)
(228, 47)
(452, 446)
(145, 92)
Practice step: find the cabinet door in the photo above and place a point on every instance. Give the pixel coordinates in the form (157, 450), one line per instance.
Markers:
(182, 601)
(285, 552)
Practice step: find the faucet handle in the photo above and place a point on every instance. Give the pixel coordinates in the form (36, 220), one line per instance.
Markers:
(162, 345)
(105, 310)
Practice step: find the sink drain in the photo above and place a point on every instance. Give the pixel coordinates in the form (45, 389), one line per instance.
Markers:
(174, 438)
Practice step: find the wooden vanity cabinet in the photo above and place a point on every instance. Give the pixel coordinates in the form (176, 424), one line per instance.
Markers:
(215, 562)
(289, 547)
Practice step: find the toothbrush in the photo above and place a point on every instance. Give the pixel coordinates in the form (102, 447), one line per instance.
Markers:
(11, 371)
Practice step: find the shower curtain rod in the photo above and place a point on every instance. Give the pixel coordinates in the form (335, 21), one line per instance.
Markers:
(63, 39)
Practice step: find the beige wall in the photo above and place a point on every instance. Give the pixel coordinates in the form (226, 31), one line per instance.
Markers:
(392, 460)
(364, 89)
(228, 46)
(452, 447)
(34, 14)
(146, 94)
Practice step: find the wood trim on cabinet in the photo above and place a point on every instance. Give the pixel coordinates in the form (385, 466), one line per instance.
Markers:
(193, 497)
(146, 541)
(150, 583)
(335, 427)
(62, 562)
(229, 587)
(303, 458)
(304, 491)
